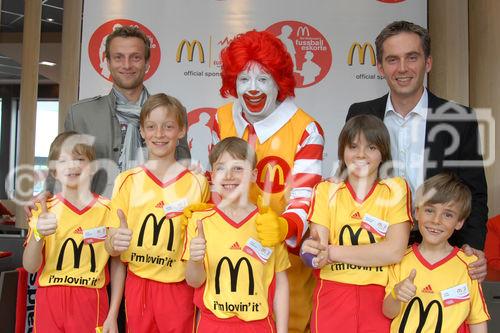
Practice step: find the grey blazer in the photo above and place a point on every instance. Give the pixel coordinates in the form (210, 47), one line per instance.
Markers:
(96, 116)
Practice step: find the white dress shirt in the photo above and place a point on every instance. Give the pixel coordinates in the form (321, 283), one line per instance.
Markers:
(408, 140)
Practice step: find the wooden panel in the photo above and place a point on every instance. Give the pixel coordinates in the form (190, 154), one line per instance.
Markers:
(485, 81)
(28, 98)
(448, 24)
(70, 63)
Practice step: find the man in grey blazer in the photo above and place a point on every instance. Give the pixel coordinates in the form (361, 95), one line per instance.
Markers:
(113, 120)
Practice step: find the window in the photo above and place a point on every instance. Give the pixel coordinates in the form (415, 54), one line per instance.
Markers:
(46, 129)
(47, 119)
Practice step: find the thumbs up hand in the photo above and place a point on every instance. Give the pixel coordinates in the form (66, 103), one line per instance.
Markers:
(272, 229)
(47, 222)
(121, 237)
(31, 205)
(406, 289)
(187, 213)
(198, 244)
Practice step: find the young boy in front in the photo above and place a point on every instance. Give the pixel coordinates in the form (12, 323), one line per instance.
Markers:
(66, 244)
(241, 286)
(430, 290)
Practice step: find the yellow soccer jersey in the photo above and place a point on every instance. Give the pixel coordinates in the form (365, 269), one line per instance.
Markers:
(67, 261)
(446, 295)
(352, 221)
(153, 212)
(238, 284)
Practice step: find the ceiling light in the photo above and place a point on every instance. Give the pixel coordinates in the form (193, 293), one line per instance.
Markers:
(50, 19)
(47, 63)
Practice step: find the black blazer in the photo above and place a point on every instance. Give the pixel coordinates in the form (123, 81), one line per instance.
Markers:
(436, 141)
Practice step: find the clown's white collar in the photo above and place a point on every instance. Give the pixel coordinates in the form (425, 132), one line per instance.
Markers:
(266, 127)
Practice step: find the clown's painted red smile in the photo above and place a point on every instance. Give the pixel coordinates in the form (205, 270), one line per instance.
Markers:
(257, 91)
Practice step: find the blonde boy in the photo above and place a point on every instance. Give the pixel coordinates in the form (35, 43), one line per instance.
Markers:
(431, 290)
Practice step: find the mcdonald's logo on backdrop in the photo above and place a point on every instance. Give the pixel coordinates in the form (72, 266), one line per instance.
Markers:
(423, 314)
(233, 273)
(354, 236)
(303, 31)
(309, 49)
(156, 231)
(361, 53)
(191, 46)
(77, 254)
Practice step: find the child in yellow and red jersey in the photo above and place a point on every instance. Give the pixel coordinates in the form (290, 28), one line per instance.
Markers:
(65, 244)
(358, 227)
(241, 286)
(147, 203)
(430, 290)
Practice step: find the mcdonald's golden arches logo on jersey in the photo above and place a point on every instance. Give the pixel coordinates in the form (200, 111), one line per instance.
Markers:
(272, 174)
(234, 271)
(353, 236)
(423, 315)
(157, 226)
(77, 254)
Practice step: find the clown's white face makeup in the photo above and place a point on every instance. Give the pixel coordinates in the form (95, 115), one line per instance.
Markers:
(257, 92)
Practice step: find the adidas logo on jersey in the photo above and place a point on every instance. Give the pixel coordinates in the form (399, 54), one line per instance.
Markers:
(235, 246)
(160, 204)
(78, 230)
(428, 289)
(356, 216)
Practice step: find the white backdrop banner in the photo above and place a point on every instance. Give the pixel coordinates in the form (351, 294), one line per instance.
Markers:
(331, 43)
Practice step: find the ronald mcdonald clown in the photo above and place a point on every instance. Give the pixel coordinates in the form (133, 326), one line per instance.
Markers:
(258, 72)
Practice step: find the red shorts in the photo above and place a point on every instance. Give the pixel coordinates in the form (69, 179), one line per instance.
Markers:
(348, 308)
(153, 306)
(209, 323)
(70, 309)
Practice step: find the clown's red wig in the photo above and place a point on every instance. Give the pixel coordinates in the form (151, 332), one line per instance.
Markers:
(264, 48)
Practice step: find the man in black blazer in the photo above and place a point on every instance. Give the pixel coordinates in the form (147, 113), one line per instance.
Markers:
(445, 134)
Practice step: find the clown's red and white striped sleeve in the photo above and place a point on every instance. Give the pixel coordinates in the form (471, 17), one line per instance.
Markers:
(306, 173)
